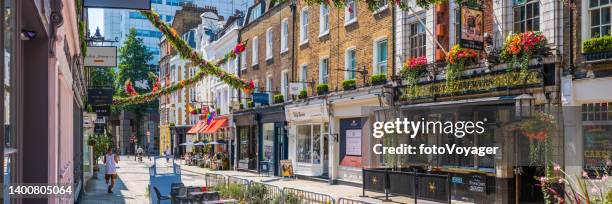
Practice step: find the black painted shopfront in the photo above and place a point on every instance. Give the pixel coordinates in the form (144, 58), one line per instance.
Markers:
(272, 138)
(246, 138)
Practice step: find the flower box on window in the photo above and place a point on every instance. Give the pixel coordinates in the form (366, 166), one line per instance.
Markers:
(597, 48)
(378, 79)
(303, 94)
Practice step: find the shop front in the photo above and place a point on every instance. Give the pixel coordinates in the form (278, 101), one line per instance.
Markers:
(179, 136)
(309, 138)
(246, 140)
(507, 176)
(273, 138)
(351, 123)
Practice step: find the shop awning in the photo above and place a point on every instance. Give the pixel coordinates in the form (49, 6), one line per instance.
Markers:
(215, 125)
(196, 127)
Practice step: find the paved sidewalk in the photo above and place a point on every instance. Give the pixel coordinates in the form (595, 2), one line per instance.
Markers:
(130, 186)
(335, 191)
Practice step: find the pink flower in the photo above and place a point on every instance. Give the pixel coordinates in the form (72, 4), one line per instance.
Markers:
(543, 179)
(585, 174)
(560, 180)
(594, 190)
(556, 167)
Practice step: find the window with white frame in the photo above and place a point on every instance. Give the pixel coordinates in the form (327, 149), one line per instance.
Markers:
(284, 35)
(269, 43)
(350, 63)
(599, 12)
(285, 84)
(324, 71)
(380, 57)
(324, 20)
(243, 61)
(526, 16)
(380, 5)
(304, 25)
(303, 76)
(350, 11)
(269, 88)
(417, 39)
(254, 60)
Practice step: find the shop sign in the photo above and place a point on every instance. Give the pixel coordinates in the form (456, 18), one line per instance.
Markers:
(286, 168)
(103, 110)
(101, 56)
(472, 28)
(477, 183)
(119, 4)
(295, 88)
(99, 129)
(100, 96)
(261, 98)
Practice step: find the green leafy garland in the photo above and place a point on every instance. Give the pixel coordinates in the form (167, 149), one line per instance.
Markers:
(373, 5)
(206, 68)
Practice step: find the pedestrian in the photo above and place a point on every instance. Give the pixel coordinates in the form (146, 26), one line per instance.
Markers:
(139, 153)
(167, 154)
(110, 160)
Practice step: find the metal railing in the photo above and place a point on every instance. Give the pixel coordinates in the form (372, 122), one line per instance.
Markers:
(212, 180)
(272, 191)
(307, 196)
(237, 180)
(351, 201)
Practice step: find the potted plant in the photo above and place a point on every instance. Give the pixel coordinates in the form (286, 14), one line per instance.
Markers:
(278, 98)
(349, 84)
(91, 141)
(303, 94)
(250, 103)
(217, 110)
(413, 70)
(378, 79)
(322, 89)
(458, 58)
(598, 48)
(539, 126)
(241, 105)
(520, 47)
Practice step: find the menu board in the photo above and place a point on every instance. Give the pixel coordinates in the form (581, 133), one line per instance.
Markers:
(286, 168)
(353, 142)
(597, 146)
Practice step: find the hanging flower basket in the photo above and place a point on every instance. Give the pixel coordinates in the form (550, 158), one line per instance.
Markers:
(539, 126)
(458, 58)
(413, 70)
(519, 48)
(91, 142)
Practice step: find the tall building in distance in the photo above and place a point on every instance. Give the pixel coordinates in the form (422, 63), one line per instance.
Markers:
(118, 22)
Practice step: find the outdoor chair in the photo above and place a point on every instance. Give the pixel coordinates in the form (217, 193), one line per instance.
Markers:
(174, 191)
(159, 196)
(204, 197)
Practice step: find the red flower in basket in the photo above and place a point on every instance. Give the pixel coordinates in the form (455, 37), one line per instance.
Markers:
(240, 47)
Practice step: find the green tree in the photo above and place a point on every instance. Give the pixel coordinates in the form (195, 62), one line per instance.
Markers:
(133, 59)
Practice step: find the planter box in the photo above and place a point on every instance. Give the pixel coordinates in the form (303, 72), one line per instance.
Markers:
(379, 82)
(346, 88)
(597, 55)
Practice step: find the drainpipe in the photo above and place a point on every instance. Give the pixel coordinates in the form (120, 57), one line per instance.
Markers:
(393, 45)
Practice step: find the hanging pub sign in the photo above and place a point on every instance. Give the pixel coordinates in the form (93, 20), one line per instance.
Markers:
(295, 88)
(102, 110)
(472, 28)
(119, 4)
(261, 98)
(100, 96)
(101, 56)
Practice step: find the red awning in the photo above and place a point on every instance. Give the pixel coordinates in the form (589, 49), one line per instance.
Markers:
(203, 127)
(196, 127)
(216, 125)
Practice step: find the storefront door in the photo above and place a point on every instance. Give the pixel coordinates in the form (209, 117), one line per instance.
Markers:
(325, 156)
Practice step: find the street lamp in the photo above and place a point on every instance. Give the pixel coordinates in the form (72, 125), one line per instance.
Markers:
(525, 105)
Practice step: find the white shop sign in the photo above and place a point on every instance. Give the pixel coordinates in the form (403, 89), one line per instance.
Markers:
(101, 57)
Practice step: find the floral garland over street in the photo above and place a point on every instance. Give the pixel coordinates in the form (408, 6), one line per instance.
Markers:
(373, 5)
(206, 68)
(520, 47)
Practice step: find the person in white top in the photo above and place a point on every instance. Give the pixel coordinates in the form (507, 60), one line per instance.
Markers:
(139, 153)
(110, 160)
